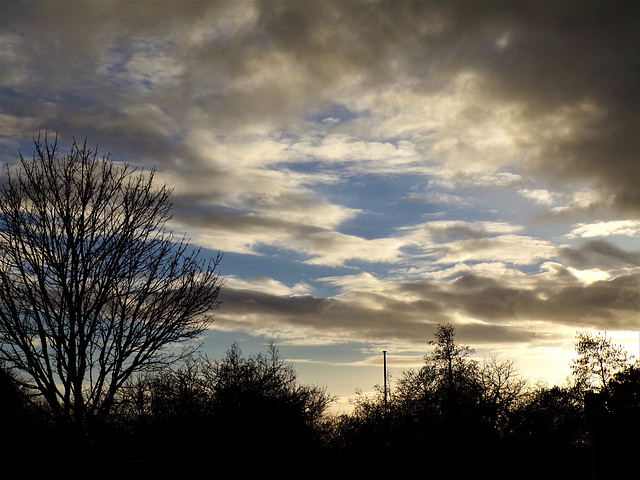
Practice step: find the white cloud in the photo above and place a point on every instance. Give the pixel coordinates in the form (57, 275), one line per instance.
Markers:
(629, 228)
(335, 249)
(591, 275)
(516, 249)
(583, 199)
(428, 234)
(355, 151)
(263, 284)
(538, 196)
(458, 128)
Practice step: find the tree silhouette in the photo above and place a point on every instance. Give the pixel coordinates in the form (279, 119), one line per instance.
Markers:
(502, 387)
(93, 286)
(469, 418)
(13, 413)
(623, 418)
(598, 360)
(452, 366)
(436, 408)
(257, 402)
(250, 405)
(547, 434)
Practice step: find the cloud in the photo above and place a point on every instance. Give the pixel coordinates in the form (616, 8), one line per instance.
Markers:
(504, 248)
(629, 228)
(496, 309)
(600, 254)
(538, 196)
(361, 155)
(533, 75)
(264, 284)
(455, 242)
(533, 85)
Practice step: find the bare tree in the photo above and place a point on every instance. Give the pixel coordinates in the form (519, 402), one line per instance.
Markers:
(502, 386)
(598, 360)
(93, 285)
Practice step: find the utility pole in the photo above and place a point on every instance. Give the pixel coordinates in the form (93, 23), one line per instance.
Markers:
(386, 406)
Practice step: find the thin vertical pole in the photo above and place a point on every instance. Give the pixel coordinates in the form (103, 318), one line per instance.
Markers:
(386, 405)
(385, 383)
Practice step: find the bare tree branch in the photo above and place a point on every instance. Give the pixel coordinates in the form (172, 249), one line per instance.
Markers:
(93, 286)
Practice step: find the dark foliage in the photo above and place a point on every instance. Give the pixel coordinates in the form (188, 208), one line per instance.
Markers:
(618, 438)
(454, 417)
(240, 414)
(247, 417)
(547, 432)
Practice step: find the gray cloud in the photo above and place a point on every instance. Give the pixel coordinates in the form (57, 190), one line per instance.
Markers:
(495, 311)
(574, 62)
(600, 254)
(563, 61)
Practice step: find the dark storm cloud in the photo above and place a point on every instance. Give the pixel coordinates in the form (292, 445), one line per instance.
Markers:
(608, 305)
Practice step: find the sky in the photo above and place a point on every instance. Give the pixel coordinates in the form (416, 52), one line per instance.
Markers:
(369, 169)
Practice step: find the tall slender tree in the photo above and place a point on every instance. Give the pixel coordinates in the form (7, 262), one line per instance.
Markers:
(447, 353)
(93, 285)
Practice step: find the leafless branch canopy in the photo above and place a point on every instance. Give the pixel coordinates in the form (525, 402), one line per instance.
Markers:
(93, 286)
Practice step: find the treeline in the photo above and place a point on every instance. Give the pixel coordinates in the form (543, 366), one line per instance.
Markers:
(248, 416)
(239, 414)
(459, 418)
